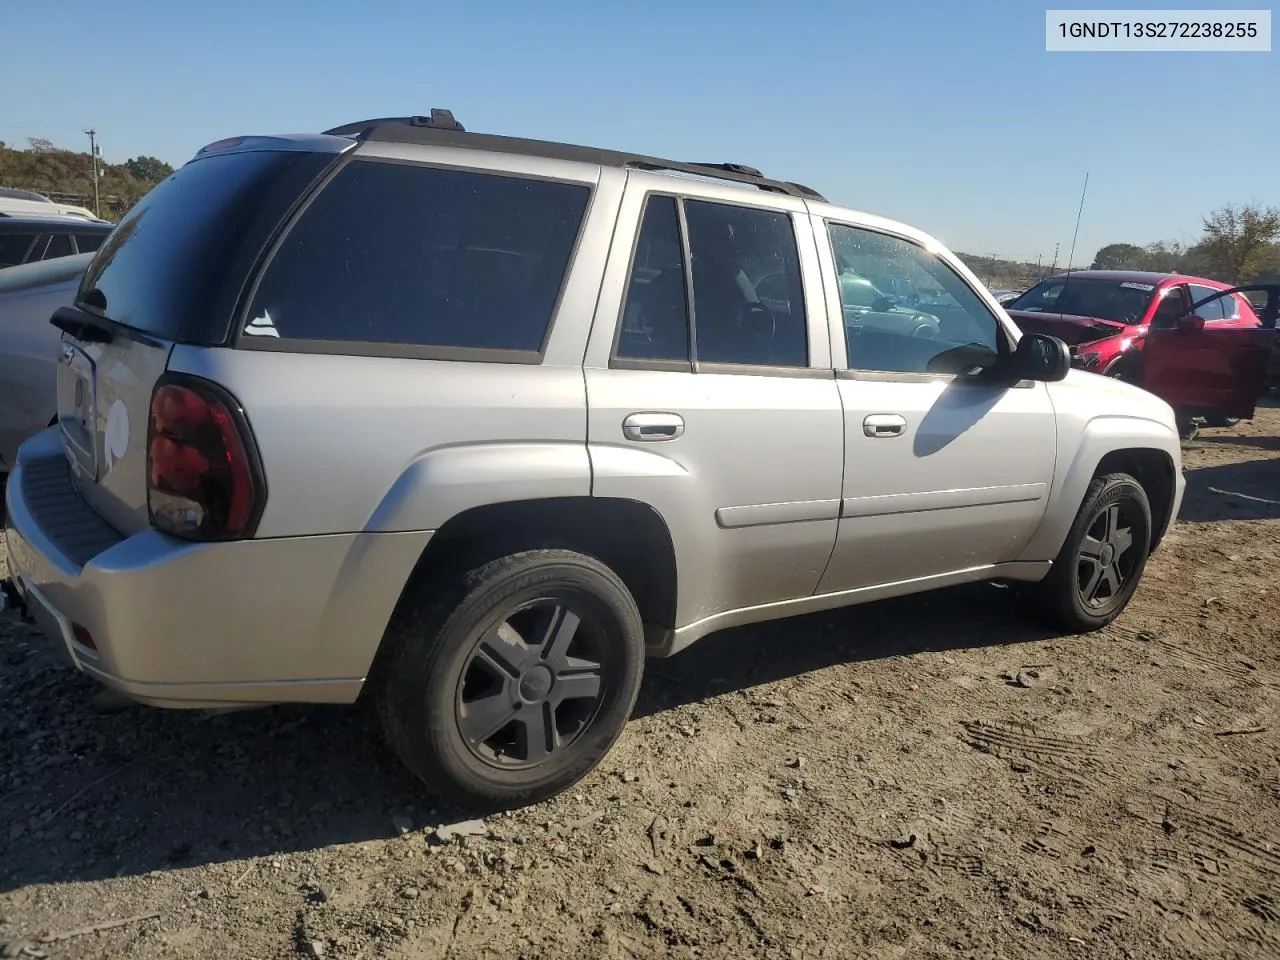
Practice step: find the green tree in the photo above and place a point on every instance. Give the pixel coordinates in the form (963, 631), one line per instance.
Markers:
(1120, 256)
(148, 169)
(1236, 240)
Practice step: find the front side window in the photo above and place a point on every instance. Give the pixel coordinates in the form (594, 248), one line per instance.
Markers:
(945, 328)
(747, 299)
(394, 253)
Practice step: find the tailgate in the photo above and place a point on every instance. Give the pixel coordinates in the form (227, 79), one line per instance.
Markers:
(104, 400)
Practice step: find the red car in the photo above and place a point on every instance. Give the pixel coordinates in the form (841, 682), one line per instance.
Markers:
(1196, 343)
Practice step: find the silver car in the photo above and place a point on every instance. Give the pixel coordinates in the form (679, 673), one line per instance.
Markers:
(29, 294)
(471, 424)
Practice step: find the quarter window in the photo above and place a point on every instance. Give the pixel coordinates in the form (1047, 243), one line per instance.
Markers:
(393, 253)
(943, 327)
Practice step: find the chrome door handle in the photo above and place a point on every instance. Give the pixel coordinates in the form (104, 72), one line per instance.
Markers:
(653, 426)
(884, 425)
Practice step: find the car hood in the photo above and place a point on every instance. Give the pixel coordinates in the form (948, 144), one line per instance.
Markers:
(1070, 329)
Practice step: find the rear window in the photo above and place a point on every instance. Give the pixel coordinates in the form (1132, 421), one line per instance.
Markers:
(14, 247)
(398, 255)
(175, 260)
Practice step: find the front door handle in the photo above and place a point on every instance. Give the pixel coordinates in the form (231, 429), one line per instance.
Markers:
(653, 426)
(884, 425)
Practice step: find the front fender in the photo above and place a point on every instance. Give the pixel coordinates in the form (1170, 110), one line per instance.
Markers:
(1101, 435)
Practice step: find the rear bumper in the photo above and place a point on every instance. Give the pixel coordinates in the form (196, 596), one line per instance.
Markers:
(179, 624)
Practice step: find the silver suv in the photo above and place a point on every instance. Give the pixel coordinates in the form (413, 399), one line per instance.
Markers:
(471, 424)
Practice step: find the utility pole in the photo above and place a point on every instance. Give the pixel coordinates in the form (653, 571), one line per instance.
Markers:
(93, 156)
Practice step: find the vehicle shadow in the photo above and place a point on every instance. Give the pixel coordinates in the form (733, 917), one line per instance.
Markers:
(88, 795)
(1233, 491)
(1260, 443)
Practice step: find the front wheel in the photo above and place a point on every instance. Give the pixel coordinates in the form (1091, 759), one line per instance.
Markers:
(1101, 562)
(513, 685)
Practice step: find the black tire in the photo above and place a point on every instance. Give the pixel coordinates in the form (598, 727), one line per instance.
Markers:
(1217, 420)
(1066, 597)
(463, 660)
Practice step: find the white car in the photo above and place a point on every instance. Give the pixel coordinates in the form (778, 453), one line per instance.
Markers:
(29, 294)
(28, 203)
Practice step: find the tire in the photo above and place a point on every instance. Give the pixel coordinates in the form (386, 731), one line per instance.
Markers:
(494, 647)
(1217, 420)
(1062, 597)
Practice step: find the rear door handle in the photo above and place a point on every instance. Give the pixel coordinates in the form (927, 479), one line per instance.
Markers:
(653, 426)
(884, 425)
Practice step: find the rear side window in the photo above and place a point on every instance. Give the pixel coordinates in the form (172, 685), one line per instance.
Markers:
(14, 247)
(400, 255)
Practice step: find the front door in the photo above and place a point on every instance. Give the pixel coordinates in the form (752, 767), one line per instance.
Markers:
(944, 471)
(1200, 368)
(710, 392)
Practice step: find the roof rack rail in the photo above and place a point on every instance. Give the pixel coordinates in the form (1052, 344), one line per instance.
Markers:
(441, 129)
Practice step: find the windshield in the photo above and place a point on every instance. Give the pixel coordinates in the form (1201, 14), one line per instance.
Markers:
(1124, 301)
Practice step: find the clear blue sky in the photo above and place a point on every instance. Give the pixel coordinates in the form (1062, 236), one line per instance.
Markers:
(950, 116)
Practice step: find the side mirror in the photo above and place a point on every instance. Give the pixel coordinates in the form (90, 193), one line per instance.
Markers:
(882, 305)
(1043, 358)
(1191, 323)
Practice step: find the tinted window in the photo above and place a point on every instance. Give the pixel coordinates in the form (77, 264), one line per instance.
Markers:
(655, 318)
(59, 246)
(748, 306)
(171, 258)
(14, 247)
(392, 253)
(88, 242)
(947, 330)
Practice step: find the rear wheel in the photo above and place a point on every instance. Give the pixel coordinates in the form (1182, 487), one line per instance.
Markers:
(513, 685)
(1220, 421)
(1102, 559)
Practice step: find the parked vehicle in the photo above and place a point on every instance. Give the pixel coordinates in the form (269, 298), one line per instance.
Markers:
(25, 239)
(28, 203)
(29, 295)
(1105, 316)
(469, 424)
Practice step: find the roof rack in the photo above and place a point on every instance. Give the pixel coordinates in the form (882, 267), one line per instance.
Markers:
(441, 129)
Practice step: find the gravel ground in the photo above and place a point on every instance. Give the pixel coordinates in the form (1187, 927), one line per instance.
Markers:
(920, 778)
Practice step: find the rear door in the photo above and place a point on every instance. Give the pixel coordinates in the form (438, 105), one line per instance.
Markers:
(710, 390)
(1201, 368)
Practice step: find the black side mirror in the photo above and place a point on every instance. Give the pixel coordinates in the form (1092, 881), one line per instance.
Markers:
(882, 305)
(1042, 358)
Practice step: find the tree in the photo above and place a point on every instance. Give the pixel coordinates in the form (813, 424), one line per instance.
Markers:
(1119, 256)
(1236, 239)
(40, 145)
(148, 169)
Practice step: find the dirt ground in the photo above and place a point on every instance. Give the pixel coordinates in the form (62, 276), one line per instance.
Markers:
(932, 777)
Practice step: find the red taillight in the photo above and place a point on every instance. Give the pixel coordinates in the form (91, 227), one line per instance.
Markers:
(201, 481)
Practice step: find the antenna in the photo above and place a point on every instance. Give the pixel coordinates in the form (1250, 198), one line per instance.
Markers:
(1062, 297)
(1079, 214)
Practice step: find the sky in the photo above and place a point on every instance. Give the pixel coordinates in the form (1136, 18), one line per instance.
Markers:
(949, 116)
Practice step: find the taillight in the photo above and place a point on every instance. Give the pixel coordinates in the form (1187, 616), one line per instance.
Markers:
(203, 478)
